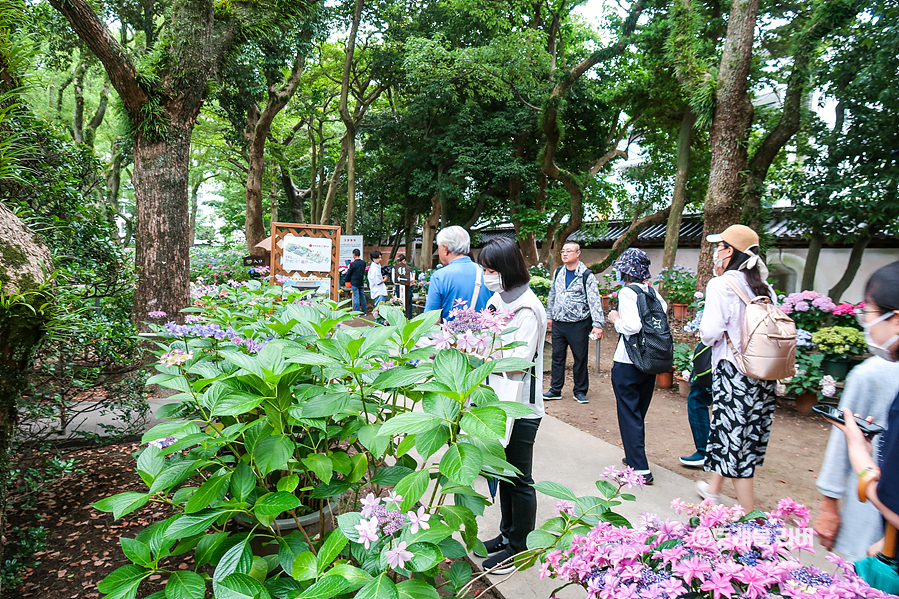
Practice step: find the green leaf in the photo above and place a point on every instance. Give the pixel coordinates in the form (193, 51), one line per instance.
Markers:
(409, 422)
(305, 566)
(321, 465)
(416, 589)
(189, 525)
(123, 582)
(459, 574)
(243, 481)
(208, 545)
(272, 504)
(235, 403)
(238, 559)
(272, 453)
(346, 522)
(511, 364)
(477, 376)
(555, 490)
(606, 488)
(440, 405)
(248, 363)
(513, 409)
(390, 475)
(412, 487)
(327, 587)
(334, 544)
(379, 588)
(360, 467)
(184, 584)
(356, 577)
(288, 484)
(430, 442)
(452, 549)
(462, 463)
(169, 428)
(150, 463)
(240, 586)
(207, 493)
(401, 376)
(488, 422)
(616, 519)
(174, 474)
(450, 368)
(541, 538)
(369, 436)
(136, 551)
(123, 503)
(424, 556)
(405, 446)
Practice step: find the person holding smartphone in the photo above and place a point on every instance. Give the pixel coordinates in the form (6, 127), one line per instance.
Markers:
(878, 482)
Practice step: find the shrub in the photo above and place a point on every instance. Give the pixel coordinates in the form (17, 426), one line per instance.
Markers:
(678, 284)
(840, 342)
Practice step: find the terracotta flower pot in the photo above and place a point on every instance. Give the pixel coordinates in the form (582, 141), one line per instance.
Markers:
(606, 303)
(680, 311)
(683, 387)
(665, 380)
(805, 401)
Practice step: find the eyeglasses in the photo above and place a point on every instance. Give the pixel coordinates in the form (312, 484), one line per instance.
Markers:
(860, 315)
(569, 251)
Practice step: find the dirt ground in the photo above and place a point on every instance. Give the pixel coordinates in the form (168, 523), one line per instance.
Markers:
(795, 449)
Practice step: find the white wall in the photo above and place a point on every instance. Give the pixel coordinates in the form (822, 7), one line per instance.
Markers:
(831, 265)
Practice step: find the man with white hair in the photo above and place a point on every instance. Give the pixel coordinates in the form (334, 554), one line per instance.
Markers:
(459, 279)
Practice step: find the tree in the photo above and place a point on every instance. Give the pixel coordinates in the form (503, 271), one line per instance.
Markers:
(162, 95)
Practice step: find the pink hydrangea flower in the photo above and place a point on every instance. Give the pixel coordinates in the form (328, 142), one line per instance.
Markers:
(802, 307)
(418, 520)
(397, 558)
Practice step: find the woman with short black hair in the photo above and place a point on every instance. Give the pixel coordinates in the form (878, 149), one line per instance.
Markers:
(507, 276)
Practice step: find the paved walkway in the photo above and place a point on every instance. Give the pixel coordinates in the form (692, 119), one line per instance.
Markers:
(574, 458)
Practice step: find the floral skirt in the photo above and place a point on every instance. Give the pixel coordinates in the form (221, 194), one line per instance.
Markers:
(742, 413)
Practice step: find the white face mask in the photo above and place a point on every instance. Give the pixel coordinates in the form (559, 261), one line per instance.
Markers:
(884, 350)
(493, 282)
(719, 263)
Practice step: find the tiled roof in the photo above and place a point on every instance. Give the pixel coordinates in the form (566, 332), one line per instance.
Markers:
(780, 228)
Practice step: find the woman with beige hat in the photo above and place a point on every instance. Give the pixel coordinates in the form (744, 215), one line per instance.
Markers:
(743, 407)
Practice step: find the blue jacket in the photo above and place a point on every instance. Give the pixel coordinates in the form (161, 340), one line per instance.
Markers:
(455, 281)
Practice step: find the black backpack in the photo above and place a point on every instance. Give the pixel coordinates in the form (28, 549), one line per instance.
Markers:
(652, 348)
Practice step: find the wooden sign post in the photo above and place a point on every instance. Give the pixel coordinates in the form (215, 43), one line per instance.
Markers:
(403, 279)
(319, 264)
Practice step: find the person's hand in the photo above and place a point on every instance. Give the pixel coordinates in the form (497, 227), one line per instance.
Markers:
(859, 446)
(827, 524)
(549, 324)
(597, 332)
(876, 549)
(613, 316)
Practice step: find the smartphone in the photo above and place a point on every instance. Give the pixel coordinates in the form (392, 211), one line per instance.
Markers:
(835, 414)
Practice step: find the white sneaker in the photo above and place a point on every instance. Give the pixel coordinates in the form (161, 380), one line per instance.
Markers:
(702, 488)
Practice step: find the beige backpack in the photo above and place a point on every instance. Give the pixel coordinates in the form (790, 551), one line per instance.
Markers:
(768, 344)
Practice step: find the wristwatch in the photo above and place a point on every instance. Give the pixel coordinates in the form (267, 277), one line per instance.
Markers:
(865, 478)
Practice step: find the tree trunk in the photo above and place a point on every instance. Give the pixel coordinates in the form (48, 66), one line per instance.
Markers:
(351, 185)
(273, 201)
(194, 207)
(730, 128)
(411, 220)
(334, 182)
(855, 260)
(429, 233)
(78, 86)
(811, 261)
(162, 251)
(396, 243)
(679, 197)
(294, 199)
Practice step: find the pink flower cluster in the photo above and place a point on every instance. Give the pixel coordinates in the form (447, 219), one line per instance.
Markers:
(376, 517)
(721, 553)
(471, 331)
(846, 309)
(805, 301)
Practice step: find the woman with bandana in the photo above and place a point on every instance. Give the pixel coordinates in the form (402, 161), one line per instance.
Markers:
(633, 387)
(743, 407)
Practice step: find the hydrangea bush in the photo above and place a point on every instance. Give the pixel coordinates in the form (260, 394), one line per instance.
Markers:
(840, 342)
(809, 309)
(678, 284)
(283, 410)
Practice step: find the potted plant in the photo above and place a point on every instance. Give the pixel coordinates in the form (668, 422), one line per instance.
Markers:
(844, 315)
(665, 380)
(805, 384)
(280, 410)
(683, 367)
(608, 289)
(678, 285)
(810, 310)
(838, 344)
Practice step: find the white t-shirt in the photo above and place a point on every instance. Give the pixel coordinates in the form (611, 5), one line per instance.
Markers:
(376, 281)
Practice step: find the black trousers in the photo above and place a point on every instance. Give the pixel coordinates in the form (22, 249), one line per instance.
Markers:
(518, 499)
(576, 336)
(633, 392)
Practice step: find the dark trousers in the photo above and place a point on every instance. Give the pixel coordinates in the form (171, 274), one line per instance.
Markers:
(518, 499)
(576, 336)
(633, 392)
(698, 403)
